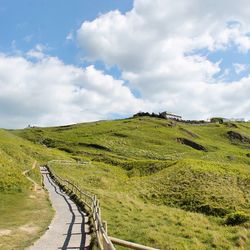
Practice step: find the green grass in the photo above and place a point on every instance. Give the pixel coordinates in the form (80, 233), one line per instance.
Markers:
(139, 220)
(213, 189)
(24, 213)
(24, 218)
(153, 189)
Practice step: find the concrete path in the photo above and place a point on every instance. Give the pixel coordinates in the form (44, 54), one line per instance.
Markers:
(69, 228)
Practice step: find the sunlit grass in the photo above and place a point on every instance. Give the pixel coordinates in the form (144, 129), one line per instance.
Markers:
(24, 218)
(25, 213)
(139, 220)
(153, 189)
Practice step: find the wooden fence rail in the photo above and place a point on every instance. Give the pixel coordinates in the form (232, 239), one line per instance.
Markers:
(103, 240)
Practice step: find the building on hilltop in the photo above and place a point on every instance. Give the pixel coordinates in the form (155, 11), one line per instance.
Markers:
(222, 119)
(167, 115)
(237, 119)
(162, 115)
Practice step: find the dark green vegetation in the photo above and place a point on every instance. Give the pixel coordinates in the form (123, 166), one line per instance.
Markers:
(24, 212)
(236, 218)
(217, 119)
(162, 183)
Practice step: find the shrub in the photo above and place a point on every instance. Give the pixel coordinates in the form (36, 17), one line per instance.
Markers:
(236, 218)
(216, 119)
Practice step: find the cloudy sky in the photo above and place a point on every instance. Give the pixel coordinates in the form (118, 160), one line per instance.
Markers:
(66, 61)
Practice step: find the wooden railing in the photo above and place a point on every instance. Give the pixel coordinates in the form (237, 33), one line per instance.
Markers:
(103, 240)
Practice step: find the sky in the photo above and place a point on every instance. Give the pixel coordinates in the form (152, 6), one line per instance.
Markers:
(64, 62)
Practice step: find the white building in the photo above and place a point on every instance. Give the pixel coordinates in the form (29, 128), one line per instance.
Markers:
(167, 115)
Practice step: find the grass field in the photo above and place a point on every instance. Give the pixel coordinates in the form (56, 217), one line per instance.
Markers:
(24, 218)
(161, 183)
(25, 213)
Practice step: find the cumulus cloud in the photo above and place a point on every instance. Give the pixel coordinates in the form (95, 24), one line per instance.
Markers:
(156, 46)
(49, 92)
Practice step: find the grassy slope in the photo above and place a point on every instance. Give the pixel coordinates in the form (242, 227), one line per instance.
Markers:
(151, 186)
(24, 213)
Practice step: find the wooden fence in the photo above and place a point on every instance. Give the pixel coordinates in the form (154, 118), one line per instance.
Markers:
(103, 240)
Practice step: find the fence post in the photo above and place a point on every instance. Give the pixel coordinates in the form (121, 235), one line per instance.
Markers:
(93, 203)
(99, 209)
(105, 225)
(93, 207)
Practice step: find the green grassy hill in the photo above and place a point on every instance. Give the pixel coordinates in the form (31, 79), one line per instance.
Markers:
(24, 212)
(167, 184)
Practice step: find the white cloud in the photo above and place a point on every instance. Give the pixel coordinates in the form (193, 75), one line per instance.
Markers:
(38, 52)
(155, 45)
(239, 68)
(49, 92)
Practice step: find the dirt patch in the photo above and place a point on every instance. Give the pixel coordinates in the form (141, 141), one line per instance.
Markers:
(4, 232)
(29, 228)
(191, 144)
(235, 136)
(189, 133)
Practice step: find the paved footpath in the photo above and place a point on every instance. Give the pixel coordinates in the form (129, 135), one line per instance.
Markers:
(69, 228)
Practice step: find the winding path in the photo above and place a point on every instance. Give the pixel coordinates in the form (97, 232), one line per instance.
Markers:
(69, 228)
(35, 185)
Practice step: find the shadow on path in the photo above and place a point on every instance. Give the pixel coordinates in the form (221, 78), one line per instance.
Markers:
(81, 234)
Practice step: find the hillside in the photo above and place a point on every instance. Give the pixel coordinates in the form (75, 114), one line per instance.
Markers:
(24, 212)
(164, 183)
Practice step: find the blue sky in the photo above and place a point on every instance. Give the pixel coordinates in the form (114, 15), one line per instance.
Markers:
(67, 61)
(23, 24)
(228, 59)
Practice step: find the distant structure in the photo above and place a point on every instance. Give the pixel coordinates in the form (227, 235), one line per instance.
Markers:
(29, 126)
(221, 120)
(162, 115)
(167, 115)
(236, 120)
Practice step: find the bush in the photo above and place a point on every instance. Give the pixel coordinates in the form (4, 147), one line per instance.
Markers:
(216, 119)
(236, 218)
